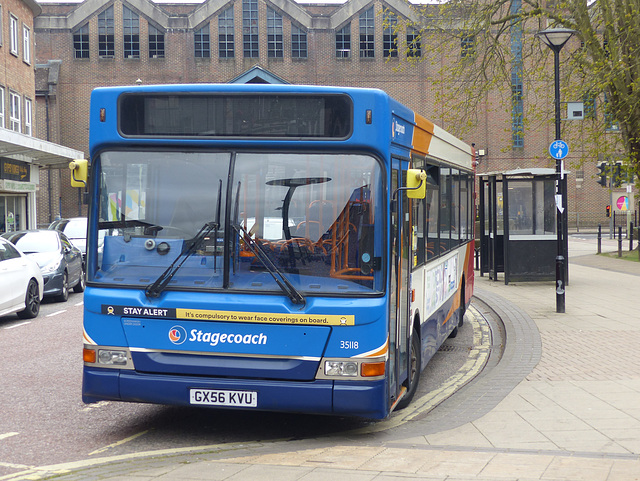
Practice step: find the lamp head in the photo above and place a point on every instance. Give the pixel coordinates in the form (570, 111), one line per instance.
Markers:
(555, 38)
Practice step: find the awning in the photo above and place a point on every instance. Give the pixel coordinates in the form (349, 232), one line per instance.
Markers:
(36, 151)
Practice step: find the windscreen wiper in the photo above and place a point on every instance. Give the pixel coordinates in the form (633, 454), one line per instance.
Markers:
(282, 281)
(156, 288)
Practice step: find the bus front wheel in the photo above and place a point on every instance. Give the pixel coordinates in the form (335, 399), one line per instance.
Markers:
(414, 374)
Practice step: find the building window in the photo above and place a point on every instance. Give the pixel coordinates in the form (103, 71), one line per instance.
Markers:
(28, 121)
(275, 46)
(14, 112)
(414, 43)
(610, 122)
(298, 42)
(367, 34)
(203, 42)
(2, 107)
(131, 31)
(26, 44)
(589, 106)
(467, 46)
(81, 42)
(106, 40)
(250, 28)
(517, 72)
(13, 33)
(156, 42)
(226, 40)
(390, 36)
(517, 109)
(343, 42)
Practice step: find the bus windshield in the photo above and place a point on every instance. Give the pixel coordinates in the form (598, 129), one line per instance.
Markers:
(240, 221)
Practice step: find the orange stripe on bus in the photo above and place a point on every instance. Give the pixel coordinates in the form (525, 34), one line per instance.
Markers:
(422, 134)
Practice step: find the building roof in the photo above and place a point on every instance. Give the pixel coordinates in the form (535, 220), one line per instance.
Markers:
(35, 8)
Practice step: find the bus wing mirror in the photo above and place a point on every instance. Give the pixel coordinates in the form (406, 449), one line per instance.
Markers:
(79, 172)
(416, 183)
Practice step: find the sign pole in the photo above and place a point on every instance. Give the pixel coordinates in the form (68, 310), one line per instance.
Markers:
(559, 150)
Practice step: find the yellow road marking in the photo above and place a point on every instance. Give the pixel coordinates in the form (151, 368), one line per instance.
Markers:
(119, 443)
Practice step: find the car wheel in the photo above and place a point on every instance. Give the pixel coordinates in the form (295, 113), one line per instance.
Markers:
(31, 301)
(79, 287)
(64, 295)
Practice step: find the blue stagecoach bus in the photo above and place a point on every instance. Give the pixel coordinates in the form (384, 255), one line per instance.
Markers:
(268, 247)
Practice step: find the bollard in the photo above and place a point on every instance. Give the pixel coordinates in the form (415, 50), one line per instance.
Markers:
(619, 241)
(599, 238)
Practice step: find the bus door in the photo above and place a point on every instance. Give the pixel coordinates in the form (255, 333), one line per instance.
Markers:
(399, 319)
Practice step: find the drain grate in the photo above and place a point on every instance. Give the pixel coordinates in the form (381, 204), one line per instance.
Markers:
(448, 348)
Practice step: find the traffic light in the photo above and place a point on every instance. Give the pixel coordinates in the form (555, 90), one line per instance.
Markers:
(616, 176)
(602, 174)
(608, 211)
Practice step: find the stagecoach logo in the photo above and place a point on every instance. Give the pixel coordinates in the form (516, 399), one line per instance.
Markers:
(177, 335)
(397, 128)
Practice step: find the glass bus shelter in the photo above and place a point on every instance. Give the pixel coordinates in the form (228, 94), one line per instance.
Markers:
(518, 225)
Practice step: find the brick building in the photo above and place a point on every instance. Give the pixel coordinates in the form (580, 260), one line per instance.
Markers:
(23, 155)
(96, 43)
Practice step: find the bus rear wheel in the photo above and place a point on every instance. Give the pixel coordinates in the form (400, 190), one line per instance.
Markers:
(414, 374)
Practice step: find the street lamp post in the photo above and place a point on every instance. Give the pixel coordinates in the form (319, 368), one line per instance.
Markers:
(555, 39)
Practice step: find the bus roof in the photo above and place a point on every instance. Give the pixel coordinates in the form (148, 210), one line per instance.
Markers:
(409, 131)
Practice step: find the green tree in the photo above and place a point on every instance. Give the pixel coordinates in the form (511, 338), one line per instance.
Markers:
(600, 66)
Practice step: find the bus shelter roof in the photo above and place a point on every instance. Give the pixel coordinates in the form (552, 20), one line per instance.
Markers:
(523, 173)
(17, 146)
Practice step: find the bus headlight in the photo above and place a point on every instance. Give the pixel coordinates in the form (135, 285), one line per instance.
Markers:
(112, 357)
(341, 368)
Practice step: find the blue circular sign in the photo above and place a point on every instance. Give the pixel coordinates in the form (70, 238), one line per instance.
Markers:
(558, 149)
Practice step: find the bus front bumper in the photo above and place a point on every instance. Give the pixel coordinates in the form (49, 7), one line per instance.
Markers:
(365, 399)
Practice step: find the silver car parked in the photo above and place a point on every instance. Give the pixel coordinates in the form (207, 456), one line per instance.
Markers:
(59, 260)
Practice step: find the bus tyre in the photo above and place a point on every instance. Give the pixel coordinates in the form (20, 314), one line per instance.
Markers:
(414, 375)
(454, 333)
(463, 306)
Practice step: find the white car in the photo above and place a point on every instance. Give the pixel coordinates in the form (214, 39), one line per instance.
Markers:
(21, 283)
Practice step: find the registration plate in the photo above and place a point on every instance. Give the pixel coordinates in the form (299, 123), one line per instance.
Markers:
(209, 397)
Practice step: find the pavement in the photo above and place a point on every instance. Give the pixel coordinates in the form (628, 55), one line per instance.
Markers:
(561, 403)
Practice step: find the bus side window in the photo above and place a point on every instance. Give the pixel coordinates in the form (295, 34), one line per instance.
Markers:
(432, 204)
(418, 231)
